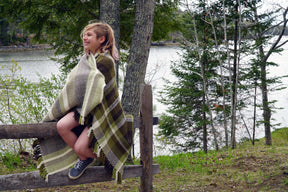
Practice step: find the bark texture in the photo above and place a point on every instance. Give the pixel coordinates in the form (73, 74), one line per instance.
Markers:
(110, 13)
(138, 57)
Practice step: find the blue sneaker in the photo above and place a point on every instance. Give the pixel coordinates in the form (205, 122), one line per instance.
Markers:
(79, 168)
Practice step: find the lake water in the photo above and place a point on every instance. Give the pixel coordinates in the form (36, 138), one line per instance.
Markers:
(160, 58)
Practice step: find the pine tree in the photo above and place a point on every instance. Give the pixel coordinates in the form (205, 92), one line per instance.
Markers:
(265, 44)
(190, 99)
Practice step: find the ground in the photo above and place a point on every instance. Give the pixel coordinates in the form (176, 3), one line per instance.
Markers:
(258, 168)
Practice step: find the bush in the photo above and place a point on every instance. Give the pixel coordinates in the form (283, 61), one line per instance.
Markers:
(24, 102)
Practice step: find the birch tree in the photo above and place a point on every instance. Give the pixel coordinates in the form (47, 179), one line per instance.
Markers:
(206, 98)
(237, 36)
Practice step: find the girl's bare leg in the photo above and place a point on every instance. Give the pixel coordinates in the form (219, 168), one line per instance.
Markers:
(65, 126)
(81, 146)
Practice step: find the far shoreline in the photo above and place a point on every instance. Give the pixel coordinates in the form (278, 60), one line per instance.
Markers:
(22, 48)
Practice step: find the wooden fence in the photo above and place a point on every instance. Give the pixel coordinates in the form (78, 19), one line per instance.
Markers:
(32, 180)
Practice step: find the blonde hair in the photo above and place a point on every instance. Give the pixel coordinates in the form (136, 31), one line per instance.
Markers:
(103, 29)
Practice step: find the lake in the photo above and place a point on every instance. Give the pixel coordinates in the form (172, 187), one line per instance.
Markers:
(160, 58)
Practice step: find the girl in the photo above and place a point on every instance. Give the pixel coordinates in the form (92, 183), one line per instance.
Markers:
(98, 38)
(89, 100)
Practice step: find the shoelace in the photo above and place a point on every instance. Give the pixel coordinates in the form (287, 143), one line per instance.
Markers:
(79, 164)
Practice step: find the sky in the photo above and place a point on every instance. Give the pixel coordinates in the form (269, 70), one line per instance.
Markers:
(274, 4)
(268, 5)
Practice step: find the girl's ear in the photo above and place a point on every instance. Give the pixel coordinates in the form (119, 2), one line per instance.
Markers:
(102, 39)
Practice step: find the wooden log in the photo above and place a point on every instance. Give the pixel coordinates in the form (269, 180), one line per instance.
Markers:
(146, 139)
(40, 130)
(32, 180)
(23, 131)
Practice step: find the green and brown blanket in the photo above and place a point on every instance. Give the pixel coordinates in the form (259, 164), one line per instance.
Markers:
(91, 90)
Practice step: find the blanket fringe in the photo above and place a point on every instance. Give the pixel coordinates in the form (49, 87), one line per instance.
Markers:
(109, 168)
(38, 157)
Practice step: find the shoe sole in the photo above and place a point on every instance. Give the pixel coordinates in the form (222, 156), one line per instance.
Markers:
(73, 178)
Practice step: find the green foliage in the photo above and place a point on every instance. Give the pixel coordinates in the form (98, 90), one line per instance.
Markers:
(186, 100)
(255, 76)
(10, 161)
(4, 37)
(24, 102)
(166, 19)
(169, 124)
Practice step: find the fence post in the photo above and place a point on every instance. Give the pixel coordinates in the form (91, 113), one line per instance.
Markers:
(146, 139)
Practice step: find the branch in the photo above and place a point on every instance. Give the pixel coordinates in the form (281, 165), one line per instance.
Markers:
(282, 44)
(275, 44)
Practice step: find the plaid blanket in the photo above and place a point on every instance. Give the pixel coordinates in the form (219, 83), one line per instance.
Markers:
(90, 89)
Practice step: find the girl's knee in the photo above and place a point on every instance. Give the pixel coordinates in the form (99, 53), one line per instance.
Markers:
(67, 123)
(61, 127)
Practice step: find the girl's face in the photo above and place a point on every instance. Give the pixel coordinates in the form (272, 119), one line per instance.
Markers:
(91, 42)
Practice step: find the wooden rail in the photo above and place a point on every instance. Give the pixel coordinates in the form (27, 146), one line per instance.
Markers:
(41, 130)
(32, 180)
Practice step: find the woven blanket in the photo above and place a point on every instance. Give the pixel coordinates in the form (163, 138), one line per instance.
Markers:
(91, 90)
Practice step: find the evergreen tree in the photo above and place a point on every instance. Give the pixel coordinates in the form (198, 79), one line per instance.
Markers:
(189, 122)
(230, 78)
(265, 44)
(4, 37)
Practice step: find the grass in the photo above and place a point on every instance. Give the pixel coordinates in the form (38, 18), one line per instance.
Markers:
(247, 168)
(16, 163)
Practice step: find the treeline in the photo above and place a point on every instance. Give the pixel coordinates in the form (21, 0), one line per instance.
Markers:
(11, 34)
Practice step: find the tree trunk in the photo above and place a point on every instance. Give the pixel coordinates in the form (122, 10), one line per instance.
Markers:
(230, 76)
(263, 68)
(264, 89)
(254, 113)
(265, 102)
(110, 13)
(138, 57)
(234, 85)
(205, 134)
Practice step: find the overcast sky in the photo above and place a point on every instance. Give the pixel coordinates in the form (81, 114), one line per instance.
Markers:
(268, 5)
